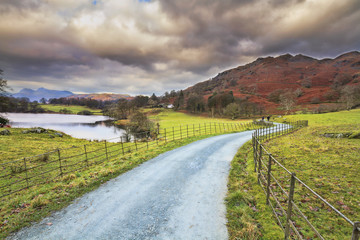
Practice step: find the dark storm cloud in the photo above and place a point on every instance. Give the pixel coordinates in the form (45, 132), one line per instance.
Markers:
(154, 46)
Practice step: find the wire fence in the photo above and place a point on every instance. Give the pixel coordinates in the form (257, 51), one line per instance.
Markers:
(290, 198)
(24, 173)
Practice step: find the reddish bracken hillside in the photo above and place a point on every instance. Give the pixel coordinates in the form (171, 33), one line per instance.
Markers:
(318, 80)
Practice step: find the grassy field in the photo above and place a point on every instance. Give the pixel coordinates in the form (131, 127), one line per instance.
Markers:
(247, 213)
(168, 118)
(330, 166)
(29, 144)
(20, 209)
(73, 108)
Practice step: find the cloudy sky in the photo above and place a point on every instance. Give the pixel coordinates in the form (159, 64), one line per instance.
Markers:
(146, 46)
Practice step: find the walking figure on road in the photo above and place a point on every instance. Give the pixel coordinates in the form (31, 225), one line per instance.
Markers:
(268, 118)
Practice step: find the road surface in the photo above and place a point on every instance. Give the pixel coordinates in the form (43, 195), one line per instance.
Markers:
(177, 195)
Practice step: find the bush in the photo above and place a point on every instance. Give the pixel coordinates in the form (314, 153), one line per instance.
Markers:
(3, 120)
(85, 112)
(307, 83)
(355, 135)
(315, 100)
(65, 111)
(43, 157)
(232, 110)
(39, 201)
(275, 95)
(139, 122)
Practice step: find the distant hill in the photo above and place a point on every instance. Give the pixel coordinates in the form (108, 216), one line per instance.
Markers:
(36, 95)
(315, 80)
(102, 96)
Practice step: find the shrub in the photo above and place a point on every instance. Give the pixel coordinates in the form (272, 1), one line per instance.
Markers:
(65, 111)
(16, 169)
(274, 96)
(85, 112)
(355, 135)
(315, 100)
(43, 157)
(39, 201)
(307, 83)
(3, 120)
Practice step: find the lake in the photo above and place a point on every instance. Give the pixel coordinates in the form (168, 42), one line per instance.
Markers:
(78, 126)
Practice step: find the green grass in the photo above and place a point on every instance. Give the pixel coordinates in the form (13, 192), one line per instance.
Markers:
(73, 108)
(23, 208)
(248, 215)
(330, 166)
(20, 209)
(168, 118)
(29, 144)
(327, 119)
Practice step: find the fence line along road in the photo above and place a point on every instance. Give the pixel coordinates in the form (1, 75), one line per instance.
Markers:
(30, 171)
(284, 195)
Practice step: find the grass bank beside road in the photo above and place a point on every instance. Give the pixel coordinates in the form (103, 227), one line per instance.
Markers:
(330, 166)
(248, 215)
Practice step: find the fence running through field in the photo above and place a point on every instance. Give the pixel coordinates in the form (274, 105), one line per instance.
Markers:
(34, 170)
(288, 196)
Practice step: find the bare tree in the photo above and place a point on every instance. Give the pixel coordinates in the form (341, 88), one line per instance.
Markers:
(3, 83)
(3, 87)
(351, 96)
(288, 100)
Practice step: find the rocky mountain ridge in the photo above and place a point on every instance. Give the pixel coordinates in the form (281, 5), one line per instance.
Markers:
(314, 78)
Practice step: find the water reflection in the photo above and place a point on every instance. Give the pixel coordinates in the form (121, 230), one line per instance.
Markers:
(79, 126)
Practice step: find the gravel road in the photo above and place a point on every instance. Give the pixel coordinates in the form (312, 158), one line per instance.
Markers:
(177, 195)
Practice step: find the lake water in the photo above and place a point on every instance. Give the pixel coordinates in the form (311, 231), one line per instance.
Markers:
(78, 126)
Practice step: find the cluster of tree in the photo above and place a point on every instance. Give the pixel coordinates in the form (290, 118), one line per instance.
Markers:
(287, 98)
(91, 103)
(123, 108)
(11, 104)
(3, 87)
(350, 95)
(219, 104)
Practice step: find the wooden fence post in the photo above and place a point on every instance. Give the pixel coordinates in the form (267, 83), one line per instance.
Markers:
(164, 135)
(86, 156)
(199, 129)
(61, 172)
(147, 144)
(356, 233)
(255, 153)
(291, 196)
(193, 130)
(106, 151)
(26, 174)
(268, 181)
(173, 133)
(215, 127)
(259, 163)
(122, 145)
(187, 130)
(180, 132)
(136, 143)
(205, 127)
